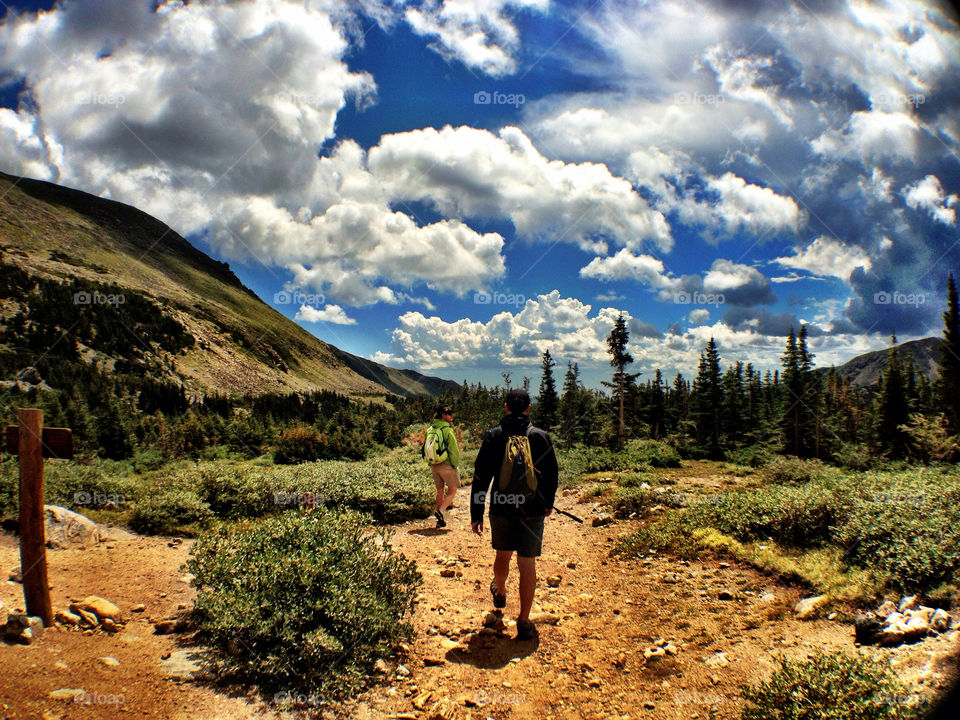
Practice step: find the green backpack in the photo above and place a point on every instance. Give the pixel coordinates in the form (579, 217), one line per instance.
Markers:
(517, 474)
(434, 448)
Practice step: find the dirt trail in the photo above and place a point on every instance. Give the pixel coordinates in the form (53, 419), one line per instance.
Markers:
(589, 664)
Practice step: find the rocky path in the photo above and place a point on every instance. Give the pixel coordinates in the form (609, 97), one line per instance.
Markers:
(618, 638)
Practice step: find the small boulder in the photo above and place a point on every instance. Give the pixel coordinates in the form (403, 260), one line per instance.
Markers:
(554, 581)
(915, 628)
(448, 572)
(22, 628)
(724, 595)
(886, 609)
(544, 618)
(867, 628)
(65, 617)
(100, 607)
(14, 576)
(805, 609)
(66, 529)
(907, 602)
(602, 519)
(66, 694)
(108, 661)
(940, 620)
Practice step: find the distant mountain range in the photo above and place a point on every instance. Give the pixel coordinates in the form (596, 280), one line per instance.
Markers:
(864, 370)
(242, 345)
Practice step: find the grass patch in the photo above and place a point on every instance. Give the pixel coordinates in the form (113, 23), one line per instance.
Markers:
(831, 686)
(851, 535)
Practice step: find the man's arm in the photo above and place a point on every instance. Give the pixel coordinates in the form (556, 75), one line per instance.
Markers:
(482, 477)
(548, 472)
(453, 450)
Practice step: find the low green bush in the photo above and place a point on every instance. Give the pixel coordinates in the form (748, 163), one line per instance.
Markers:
(307, 601)
(173, 510)
(633, 500)
(906, 526)
(792, 470)
(796, 515)
(831, 686)
(754, 456)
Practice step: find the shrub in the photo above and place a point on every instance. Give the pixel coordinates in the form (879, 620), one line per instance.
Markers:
(754, 456)
(830, 687)
(298, 445)
(308, 598)
(801, 516)
(907, 528)
(172, 510)
(633, 500)
(853, 456)
(792, 470)
(635, 479)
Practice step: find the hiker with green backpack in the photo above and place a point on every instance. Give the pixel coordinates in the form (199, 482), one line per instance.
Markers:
(442, 454)
(517, 458)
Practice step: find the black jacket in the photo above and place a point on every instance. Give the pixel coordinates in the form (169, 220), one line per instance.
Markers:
(487, 468)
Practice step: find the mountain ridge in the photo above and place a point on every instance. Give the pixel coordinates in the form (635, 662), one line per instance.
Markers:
(243, 346)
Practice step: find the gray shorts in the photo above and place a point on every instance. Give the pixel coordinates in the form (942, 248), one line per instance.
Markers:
(523, 536)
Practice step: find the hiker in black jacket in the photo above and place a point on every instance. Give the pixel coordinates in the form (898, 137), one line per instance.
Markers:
(517, 510)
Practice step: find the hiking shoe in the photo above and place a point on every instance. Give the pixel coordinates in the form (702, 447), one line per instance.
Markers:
(499, 601)
(440, 521)
(526, 630)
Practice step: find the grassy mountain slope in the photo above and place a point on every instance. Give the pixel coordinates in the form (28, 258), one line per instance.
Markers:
(864, 370)
(242, 344)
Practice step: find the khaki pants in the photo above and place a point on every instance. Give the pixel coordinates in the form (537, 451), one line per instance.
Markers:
(445, 475)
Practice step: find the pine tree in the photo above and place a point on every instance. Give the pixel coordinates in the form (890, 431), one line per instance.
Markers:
(620, 357)
(707, 398)
(572, 406)
(732, 412)
(547, 400)
(893, 408)
(655, 407)
(793, 390)
(950, 360)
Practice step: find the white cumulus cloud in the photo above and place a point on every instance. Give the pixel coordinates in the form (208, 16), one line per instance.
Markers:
(928, 194)
(329, 314)
(827, 257)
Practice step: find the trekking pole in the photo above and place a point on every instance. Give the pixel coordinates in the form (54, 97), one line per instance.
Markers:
(569, 515)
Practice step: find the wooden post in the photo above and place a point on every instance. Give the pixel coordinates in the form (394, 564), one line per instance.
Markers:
(33, 551)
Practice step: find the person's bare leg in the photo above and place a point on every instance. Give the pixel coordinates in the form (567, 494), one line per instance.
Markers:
(528, 585)
(501, 568)
(447, 501)
(440, 492)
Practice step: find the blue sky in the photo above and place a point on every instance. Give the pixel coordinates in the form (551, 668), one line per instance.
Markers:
(456, 187)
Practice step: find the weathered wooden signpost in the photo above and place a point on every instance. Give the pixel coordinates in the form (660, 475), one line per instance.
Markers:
(32, 443)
